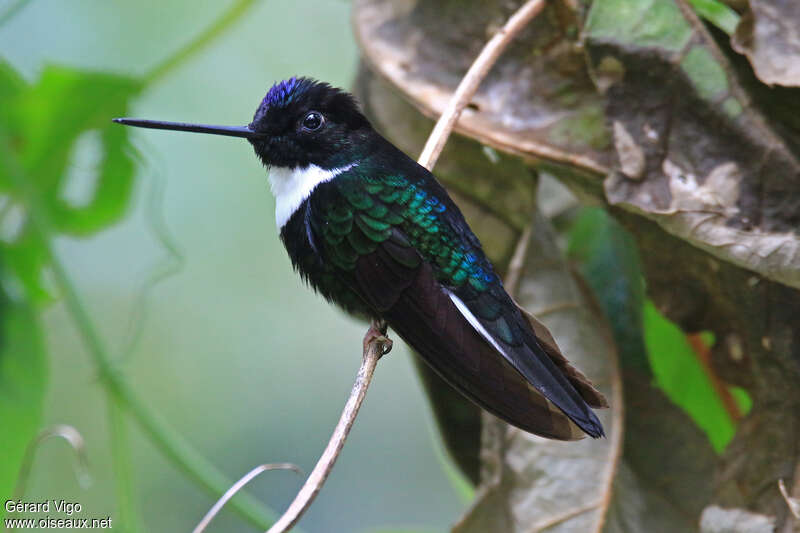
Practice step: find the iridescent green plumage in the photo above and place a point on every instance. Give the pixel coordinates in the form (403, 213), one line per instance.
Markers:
(374, 204)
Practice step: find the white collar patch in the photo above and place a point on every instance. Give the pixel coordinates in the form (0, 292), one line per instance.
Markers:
(291, 186)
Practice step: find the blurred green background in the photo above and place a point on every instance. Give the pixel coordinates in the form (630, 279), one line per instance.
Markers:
(234, 352)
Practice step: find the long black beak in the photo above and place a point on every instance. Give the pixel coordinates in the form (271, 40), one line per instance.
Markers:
(230, 131)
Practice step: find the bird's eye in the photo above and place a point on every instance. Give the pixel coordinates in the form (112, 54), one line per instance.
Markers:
(313, 121)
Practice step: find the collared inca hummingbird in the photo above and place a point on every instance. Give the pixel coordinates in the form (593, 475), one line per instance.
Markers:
(375, 233)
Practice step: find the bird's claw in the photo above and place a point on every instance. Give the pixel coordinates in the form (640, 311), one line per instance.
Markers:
(377, 334)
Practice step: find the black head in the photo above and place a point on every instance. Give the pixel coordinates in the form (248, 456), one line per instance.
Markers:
(303, 121)
(300, 122)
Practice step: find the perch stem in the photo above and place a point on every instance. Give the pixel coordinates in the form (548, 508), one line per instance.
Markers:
(375, 345)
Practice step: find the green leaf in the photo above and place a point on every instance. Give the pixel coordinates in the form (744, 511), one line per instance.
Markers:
(743, 400)
(717, 13)
(647, 342)
(23, 377)
(49, 118)
(639, 23)
(11, 85)
(607, 257)
(679, 374)
(24, 259)
(43, 124)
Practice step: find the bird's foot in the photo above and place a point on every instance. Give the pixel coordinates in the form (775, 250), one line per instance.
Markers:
(377, 333)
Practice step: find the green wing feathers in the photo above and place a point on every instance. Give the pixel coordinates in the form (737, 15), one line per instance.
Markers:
(374, 205)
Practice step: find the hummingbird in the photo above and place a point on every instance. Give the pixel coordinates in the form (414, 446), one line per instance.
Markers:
(375, 233)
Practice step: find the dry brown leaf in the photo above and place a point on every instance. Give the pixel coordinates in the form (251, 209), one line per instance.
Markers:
(670, 456)
(716, 174)
(719, 520)
(542, 103)
(769, 35)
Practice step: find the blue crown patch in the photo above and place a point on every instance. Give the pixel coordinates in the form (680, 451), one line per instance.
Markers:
(282, 93)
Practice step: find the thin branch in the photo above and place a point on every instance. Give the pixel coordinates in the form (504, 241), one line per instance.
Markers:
(122, 467)
(559, 519)
(375, 345)
(517, 262)
(555, 308)
(792, 499)
(236, 487)
(473, 78)
(793, 503)
(75, 441)
(703, 355)
(616, 436)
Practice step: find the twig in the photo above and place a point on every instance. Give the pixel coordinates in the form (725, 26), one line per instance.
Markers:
(75, 441)
(375, 345)
(473, 78)
(122, 465)
(555, 308)
(703, 355)
(236, 487)
(793, 503)
(563, 517)
(792, 499)
(616, 436)
(517, 262)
